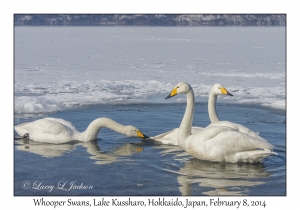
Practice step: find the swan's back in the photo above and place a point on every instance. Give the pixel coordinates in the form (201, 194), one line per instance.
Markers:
(61, 121)
(235, 126)
(170, 137)
(49, 130)
(224, 144)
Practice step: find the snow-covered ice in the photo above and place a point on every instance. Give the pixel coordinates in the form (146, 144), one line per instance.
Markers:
(61, 67)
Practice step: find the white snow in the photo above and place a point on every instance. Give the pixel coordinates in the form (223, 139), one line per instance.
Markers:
(63, 67)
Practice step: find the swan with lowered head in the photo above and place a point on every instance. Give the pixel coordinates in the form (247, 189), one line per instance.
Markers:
(217, 143)
(57, 131)
(170, 137)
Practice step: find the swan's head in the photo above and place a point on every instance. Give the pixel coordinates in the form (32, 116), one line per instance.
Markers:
(180, 88)
(219, 89)
(134, 132)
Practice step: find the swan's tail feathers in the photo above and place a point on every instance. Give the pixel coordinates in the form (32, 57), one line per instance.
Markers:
(253, 156)
(21, 131)
(271, 152)
(169, 137)
(166, 136)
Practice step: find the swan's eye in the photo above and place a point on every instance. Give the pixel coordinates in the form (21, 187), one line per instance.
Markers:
(178, 87)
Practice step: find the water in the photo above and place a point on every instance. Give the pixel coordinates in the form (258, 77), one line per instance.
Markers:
(125, 73)
(118, 165)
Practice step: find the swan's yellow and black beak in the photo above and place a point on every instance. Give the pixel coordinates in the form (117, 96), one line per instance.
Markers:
(141, 135)
(225, 92)
(173, 93)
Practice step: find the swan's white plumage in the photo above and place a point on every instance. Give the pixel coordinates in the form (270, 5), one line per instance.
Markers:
(218, 89)
(235, 126)
(55, 130)
(217, 142)
(224, 144)
(170, 137)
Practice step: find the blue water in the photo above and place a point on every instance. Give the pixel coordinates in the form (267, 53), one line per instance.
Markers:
(119, 165)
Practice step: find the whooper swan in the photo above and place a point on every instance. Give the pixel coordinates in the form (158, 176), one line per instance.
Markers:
(217, 143)
(57, 131)
(170, 137)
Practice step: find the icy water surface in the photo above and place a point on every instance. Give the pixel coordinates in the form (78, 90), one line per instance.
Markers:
(61, 67)
(118, 165)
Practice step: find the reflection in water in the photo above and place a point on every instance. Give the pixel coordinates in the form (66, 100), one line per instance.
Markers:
(116, 155)
(224, 178)
(221, 178)
(55, 150)
(44, 149)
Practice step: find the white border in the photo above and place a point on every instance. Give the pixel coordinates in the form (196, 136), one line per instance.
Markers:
(9, 8)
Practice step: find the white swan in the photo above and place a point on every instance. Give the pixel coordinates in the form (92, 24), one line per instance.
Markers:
(217, 143)
(57, 131)
(216, 90)
(170, 137)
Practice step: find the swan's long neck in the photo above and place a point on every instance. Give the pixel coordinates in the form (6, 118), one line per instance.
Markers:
(94, 127)
(187, 120)
(212, 112)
